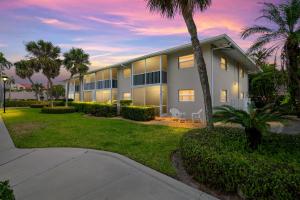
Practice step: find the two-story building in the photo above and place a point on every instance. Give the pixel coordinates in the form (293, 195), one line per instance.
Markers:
(169, 78)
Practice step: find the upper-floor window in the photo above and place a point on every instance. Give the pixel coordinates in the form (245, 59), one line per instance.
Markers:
(126, 72)
(186, 95)
(186, 61)
(242, 72)
(223, 96)
(223, 63)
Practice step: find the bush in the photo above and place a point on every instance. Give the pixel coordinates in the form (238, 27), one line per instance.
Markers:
(37, 105)
(96, 109)
(21, 103)
(28, 103)
(58, 110)
(138, 113)
(125, 102)
(218, 159)
(6, 193)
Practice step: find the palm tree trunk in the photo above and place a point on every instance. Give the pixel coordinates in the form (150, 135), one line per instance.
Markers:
(293, 52)
(67, 94)
(50, 91)
(80, 88)
(201, 66)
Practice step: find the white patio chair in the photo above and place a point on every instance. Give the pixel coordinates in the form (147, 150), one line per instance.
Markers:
(176, 113)
(197, 115)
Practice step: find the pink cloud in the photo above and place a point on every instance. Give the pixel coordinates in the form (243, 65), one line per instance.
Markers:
(60, 24)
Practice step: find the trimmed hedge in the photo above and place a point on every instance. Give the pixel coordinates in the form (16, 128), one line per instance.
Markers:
(96, 109)
(37, 105)
(138, 113)
(57, 110)
(218, 159)
(6, 193)
(28, 103)
(125, 102)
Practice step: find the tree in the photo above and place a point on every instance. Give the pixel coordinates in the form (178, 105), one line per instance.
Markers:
(58, 91)
(4, 64)
(255, 121)
(264, 86)
(45, 57)
(38, 89)
(25, 70)
(76, 61)
(282, 32)
(11, 81)
(169, 8)
(260, 56)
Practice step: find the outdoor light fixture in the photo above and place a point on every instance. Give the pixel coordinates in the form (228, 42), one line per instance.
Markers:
(4, 78)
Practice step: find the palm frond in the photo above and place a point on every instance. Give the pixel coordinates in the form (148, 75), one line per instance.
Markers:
(256, 29)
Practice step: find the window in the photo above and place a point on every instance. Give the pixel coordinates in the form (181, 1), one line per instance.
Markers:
(153, 77)
(242, 95)
(186, 61)
(126, 72)
(242, 73)
(139, 79)
(223, 63)
(186, 95)
(223, 96)
(127, 96)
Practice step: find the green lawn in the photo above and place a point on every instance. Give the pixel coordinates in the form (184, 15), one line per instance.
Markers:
(148, 144)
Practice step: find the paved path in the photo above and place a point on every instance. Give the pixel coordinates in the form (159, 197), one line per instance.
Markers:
(77, 174)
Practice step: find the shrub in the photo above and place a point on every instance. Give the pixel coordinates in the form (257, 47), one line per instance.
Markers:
(21, 103)
(218, 159)
(125, 102)
(96, 109)
(37, 105)
(5, 191)
(138, 113)
(58, 110)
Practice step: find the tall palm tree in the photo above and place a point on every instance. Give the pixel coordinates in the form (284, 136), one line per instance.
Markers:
(281, 32)
(25, 70)
(45, 57)
(260, 56)
(4, 64)
(169, 8)
(76, 61)
(38, 89)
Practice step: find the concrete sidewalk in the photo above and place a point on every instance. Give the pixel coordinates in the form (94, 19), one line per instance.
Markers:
(77, 174)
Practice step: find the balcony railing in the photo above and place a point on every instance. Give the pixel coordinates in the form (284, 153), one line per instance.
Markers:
(149, 78)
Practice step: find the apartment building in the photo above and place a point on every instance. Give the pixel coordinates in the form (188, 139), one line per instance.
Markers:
(169, 78)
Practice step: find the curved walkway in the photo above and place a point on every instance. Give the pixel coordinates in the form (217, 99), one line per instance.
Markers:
(77, 174)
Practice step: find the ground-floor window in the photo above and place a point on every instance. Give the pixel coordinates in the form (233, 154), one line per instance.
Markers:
(223, 96)
(242, 95)
(87, 96)
(186, 95)
(126, 96)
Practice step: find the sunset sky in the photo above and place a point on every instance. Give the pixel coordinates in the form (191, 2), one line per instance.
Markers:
(113, 30)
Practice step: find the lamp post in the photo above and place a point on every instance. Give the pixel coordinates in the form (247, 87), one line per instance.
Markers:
(4, 78)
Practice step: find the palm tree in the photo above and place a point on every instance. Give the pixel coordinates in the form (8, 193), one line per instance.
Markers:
(260, 56)
(38, 89)
(4, 64)
(169, 8)
(76, 62)
(25, 70)
(255, 121)
(281, 32)
(45, 57)
(11, 81)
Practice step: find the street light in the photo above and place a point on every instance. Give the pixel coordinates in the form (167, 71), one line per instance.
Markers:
(4, 78)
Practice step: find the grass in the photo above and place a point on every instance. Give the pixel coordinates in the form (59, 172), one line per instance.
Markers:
(150, 145)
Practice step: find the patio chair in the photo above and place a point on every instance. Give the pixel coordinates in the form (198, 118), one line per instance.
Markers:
(197, 115)
(176, 113)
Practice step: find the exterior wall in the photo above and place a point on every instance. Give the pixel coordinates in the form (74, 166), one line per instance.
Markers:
(188, 78)
(124, 84)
